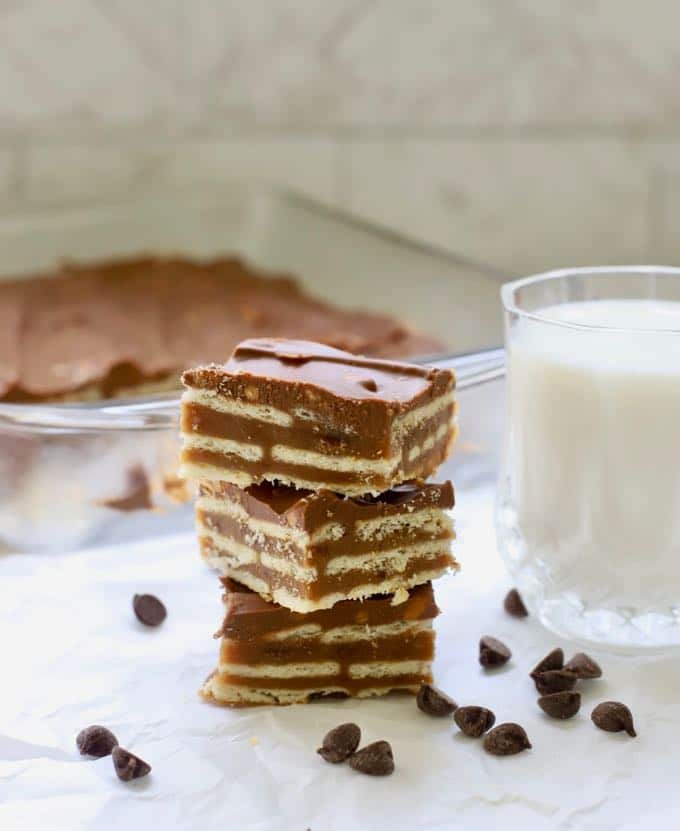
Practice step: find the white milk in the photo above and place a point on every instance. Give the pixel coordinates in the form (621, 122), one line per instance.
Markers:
(595, 452)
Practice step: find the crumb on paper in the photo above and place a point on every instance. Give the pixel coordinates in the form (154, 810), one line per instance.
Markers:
(254, 740)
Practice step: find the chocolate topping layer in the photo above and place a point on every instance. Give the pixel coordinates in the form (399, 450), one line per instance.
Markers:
(310, 510)
(333, 372)
(109, 328)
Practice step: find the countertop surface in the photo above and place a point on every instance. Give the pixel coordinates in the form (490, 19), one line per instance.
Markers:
(75, 655)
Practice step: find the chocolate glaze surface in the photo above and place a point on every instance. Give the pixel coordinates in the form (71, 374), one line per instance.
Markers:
(335, 372)
(103, 328)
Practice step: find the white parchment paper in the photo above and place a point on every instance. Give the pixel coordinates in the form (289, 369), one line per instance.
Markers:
(73, 654)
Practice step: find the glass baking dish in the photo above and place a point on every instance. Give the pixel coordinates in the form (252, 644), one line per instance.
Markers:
(81, 474)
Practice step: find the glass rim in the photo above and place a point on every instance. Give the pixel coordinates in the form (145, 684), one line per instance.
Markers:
(509, 292)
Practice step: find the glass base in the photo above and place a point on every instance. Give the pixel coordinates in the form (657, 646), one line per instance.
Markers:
(621, 629)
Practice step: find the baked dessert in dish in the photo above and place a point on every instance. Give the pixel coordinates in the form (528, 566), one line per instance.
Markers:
(313, 417)
(130, 326)
(308, 550)
(271, 655)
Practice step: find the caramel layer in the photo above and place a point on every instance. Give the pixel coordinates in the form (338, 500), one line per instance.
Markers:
(318, 554)
(352, 686)
(413, 647)
(355, 481)
(248, 616)
(304, 434)
(325, 585)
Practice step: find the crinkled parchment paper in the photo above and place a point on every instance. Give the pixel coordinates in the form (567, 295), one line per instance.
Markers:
(73, 654)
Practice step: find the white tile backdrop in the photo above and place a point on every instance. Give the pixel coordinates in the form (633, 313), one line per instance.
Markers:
(530, 133)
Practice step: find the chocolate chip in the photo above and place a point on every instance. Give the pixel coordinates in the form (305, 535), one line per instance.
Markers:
(583, 666)
(340, 742)
(553, 660)
(369, 384)
(375, 759)
(560, 705)
(434, 702)
(554, 680)
(149, 609)
(127, 765)
(474, 721)
(96, 740)
(613, 717)
(492, 652)
(506, 740)
(514, 605)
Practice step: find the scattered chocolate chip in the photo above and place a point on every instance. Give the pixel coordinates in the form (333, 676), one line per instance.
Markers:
(96, 740)
(613, 717)
(514, 605)
(434, 702)
(506, 740)
(369, 384)
(554, 680)
(560, 705)
(149, 609)
(375, 759)
(127, 765)
(492, 652)
(583, 666)
(340, 742)
(474, 721)
(553, 660)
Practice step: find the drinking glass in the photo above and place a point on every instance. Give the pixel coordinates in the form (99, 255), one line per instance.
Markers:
(588, 509)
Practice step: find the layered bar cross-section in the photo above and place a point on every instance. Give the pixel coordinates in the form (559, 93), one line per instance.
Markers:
(270, 655)
(312, 417)
(309, 550)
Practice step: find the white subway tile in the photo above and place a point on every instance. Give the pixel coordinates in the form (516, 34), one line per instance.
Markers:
(70, 64)
(435, 63)
(57, 172)
(522, 205)
(307, 165)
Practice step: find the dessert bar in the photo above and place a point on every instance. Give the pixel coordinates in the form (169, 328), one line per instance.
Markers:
(270, 655)
(309, 550)
(313, 417)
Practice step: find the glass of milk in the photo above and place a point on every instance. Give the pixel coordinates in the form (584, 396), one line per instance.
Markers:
(588, 514)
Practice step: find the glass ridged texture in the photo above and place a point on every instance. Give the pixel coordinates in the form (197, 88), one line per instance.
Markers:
(588, 513)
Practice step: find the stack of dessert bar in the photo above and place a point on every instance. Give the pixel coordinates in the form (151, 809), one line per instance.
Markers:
(313, 509)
